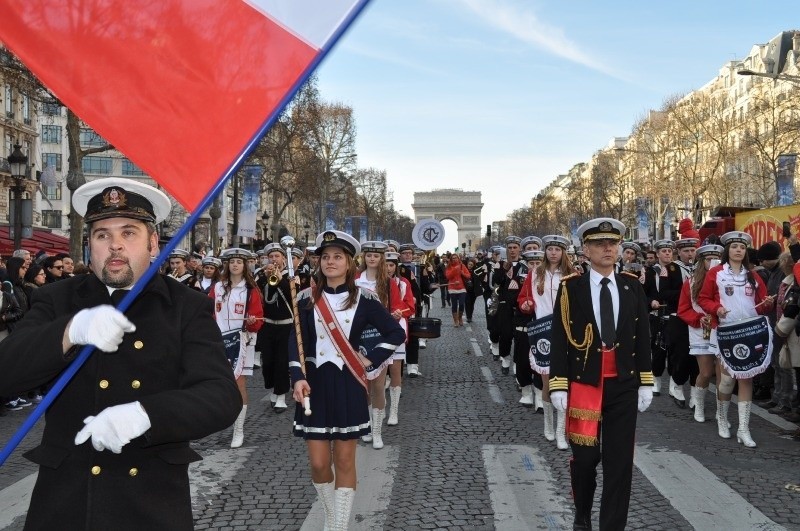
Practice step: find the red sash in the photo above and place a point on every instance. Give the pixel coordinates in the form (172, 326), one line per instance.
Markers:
(586, 404)
(343, 346)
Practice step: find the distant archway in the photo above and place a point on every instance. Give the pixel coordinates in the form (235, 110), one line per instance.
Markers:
(464, 208)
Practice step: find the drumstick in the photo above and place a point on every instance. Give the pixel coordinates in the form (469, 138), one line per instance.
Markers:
(768, 298)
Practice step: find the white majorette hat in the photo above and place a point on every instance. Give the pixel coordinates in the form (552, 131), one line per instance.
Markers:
(298, 252)
(530, 239)
(632, 245)
(391, 256)
(179, 253)
(311, 249)
(115, 197)
(601, 229)
(212, 261)
(711, 249)
(533, 255)
(513, 239)
(735, 236)
(663, 244)
(687, 242)
(270, 247)
(337, 238)
(374, 247)
(236, 252)
(555, 239)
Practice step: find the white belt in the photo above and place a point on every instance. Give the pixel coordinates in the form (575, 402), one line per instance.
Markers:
(279, 321)
(522, 328)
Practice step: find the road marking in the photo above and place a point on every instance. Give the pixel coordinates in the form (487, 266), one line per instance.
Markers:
(697, 494)
(207, 477)
(14, 500)
(476, 348)
(776, 420)
(376, 470)
(494, 391)
(523, 493)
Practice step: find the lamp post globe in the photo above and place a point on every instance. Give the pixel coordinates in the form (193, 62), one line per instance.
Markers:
(18, 163)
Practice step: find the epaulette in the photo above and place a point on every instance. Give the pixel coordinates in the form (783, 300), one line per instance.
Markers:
(369, 294)
(630, 274)
(305, 294)
(571, 276)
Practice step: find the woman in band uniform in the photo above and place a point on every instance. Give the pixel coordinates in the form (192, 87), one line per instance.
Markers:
(333, 314)
(406, 311)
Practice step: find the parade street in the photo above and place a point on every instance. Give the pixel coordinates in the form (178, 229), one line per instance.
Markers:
(466, 455)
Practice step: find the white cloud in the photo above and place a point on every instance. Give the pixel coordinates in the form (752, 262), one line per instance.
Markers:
(524, 25)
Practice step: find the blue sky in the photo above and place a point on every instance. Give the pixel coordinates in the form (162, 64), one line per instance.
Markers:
(502, 96)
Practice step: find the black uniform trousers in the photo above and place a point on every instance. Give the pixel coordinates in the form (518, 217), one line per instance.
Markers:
(522, 348)
(274, 342)
(659, 353)
(682, 365)
(504, 327)
(617, 434)
(412, 346)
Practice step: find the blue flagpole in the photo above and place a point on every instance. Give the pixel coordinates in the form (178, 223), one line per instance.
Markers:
(126, 302)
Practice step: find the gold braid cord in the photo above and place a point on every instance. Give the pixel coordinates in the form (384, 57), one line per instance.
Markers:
(588, 337)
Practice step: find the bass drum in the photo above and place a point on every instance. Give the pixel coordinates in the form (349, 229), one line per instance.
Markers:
(424, 327)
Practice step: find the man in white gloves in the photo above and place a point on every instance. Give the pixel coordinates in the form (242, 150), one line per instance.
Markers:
(600, 369)
(115, 450)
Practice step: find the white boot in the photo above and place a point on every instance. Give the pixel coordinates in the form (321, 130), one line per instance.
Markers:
(549, 432)
(676, 391)
(394, 405)
(368, 437)
(344, 505)
(561, 430)
(377, 426)
(238, 429)
(723, 428)
(699, 399)
(280, 403)
(537, 399)
(325, 493)
(743, 433)
(656, 386)
(273, 398)
(527, 396)
(495, 348)
(506, 364)
(413, 370)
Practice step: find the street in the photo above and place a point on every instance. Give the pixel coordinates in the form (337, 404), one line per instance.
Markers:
(466, 455)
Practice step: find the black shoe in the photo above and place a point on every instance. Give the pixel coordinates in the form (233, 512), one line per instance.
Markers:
(769, 404)
(496, 358)
(582, 524)
(505, 370)
(762, 393)
(779, 410)
(680, 403)
(792, 416)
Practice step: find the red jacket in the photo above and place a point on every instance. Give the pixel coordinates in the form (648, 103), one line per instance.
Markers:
(254, 308)
(454, 274)
(709, 297)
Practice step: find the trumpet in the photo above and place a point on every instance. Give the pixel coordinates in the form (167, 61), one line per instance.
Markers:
(273, 279)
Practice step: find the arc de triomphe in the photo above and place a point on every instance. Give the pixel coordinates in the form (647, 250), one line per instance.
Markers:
(462, 207)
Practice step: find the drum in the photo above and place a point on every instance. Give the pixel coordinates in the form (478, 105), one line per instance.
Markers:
(425, 327)
(745, 346)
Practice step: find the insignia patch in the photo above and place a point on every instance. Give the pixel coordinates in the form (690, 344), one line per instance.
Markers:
(729, 290)
(672, 267)
(329, 236)
(605, 226)
(115, 198)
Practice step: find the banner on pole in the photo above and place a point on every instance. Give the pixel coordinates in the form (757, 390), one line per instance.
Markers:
(784, 180)
(248, 208)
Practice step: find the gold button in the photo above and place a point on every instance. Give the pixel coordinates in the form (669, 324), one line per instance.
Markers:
(103, 384)
(136, 384)
(133, 471)
(598, 350)
(321, 336)
(578, 358)
(138, 344)
(578, 377)
(631, 372)
(347, 320)
(95, 470)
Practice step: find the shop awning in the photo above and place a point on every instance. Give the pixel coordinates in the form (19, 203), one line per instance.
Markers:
(42, 239)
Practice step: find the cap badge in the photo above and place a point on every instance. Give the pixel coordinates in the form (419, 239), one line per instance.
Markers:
(115, 198)
(329, 236)
(605, 226)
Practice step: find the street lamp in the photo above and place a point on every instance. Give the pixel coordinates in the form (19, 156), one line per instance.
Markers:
(774, 77)
(19, 168)
(306, 226)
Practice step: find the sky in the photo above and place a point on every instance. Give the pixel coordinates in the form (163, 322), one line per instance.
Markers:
(502, 96)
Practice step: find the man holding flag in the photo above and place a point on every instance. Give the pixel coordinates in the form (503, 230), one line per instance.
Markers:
(115, 451)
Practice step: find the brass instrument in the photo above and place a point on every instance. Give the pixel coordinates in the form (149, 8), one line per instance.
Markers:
(273, 279)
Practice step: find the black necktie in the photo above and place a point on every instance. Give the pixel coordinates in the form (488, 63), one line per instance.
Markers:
(608, 331)
(117, 295)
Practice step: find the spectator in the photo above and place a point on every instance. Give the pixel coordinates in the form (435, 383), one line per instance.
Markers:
(69, 265)
(34, 278)
(25, 255)
(14, 288)
(54, 269)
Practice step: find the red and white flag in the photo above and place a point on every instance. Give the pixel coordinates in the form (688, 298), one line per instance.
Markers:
(179, 86)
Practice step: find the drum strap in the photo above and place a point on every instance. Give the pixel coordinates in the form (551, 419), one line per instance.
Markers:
(343, 346)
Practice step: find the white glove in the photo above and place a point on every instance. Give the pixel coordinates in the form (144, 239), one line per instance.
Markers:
(101, 326)
(559, 400)
(645, 397)
(114, 427)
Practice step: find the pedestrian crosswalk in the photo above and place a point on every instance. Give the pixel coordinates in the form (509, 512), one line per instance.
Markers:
(522, 488)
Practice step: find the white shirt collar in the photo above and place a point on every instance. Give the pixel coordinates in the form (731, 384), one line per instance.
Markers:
(596, 277)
